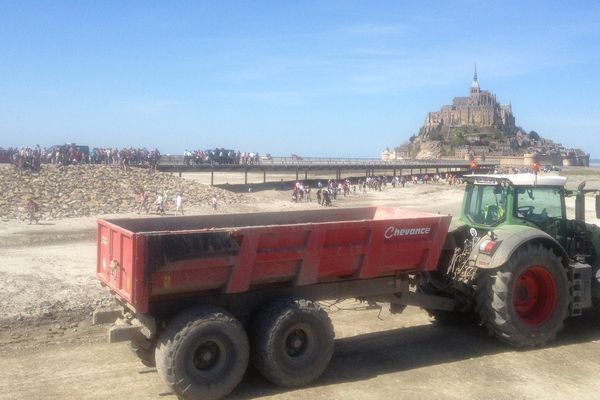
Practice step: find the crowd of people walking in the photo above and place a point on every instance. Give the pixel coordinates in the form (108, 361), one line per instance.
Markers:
(326, 194)
(32, 158)
(126, 157)
(220, 156)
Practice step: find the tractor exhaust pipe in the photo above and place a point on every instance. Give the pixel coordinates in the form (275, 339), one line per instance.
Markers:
(580, 203)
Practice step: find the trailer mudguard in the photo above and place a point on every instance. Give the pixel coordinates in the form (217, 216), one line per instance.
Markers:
(495, 248)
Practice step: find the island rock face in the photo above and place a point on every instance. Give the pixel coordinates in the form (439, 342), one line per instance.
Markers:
(478, 126)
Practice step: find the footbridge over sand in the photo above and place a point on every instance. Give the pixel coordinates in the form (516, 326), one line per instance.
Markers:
(317, 167)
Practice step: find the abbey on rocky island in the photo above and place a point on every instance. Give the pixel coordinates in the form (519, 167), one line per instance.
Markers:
(478, 126)
(479, 109)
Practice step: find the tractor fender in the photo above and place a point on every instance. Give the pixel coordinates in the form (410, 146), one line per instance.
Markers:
(508, 240)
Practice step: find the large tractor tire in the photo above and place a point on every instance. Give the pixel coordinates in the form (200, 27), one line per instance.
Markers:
(292, 342)
(202, 354)
(525, 302)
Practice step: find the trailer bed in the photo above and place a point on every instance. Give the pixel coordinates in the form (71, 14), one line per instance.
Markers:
(143, 260)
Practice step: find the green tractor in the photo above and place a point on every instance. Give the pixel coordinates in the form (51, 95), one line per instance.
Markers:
(515, 262)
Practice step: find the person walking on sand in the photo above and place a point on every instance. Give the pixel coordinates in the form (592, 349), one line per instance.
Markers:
(178, 204)
(160, 204)
(143, 206)
(166, 200)
(32, 209)
(213, 202)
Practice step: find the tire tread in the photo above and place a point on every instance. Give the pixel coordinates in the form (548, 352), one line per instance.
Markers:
(494, 302)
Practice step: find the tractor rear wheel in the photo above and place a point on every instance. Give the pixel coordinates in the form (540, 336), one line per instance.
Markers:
(525, 302)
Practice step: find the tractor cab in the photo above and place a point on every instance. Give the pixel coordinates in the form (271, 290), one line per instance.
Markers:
(492, 201)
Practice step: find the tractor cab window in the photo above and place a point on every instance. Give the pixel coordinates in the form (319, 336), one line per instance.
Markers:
(542, 206)
(486, 204)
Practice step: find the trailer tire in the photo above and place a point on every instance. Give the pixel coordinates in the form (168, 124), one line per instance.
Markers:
(292, 342)
(525, 302)
(202, 354)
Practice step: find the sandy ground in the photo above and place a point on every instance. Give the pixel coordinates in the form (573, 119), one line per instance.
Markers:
(49, 349)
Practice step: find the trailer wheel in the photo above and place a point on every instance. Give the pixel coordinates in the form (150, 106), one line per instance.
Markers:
(202, 354)
(292, 342)
(525, 302)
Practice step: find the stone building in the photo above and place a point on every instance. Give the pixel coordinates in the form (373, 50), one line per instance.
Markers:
(399, 153)
(479, 109)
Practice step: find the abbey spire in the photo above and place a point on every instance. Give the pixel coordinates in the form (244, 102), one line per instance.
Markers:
(475, 83)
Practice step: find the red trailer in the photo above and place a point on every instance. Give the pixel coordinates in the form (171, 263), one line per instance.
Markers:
(202, 293)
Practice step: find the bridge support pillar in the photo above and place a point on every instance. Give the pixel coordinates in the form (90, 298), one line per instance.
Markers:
(305, 175)
(264, 176)
(245, 177)
(394, 174)
(180, 174)
(212, 177)
(296, 175)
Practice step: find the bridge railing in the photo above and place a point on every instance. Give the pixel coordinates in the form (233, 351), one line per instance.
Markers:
(178, 160)
(356, 161)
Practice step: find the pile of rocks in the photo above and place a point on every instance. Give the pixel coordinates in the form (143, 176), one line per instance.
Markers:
(82, 190)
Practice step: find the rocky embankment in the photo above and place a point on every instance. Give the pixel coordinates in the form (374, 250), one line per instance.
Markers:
(83, 190)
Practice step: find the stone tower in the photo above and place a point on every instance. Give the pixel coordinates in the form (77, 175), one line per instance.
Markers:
(475, 84)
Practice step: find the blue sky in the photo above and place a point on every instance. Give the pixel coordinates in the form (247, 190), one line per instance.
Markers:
(316, 78)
